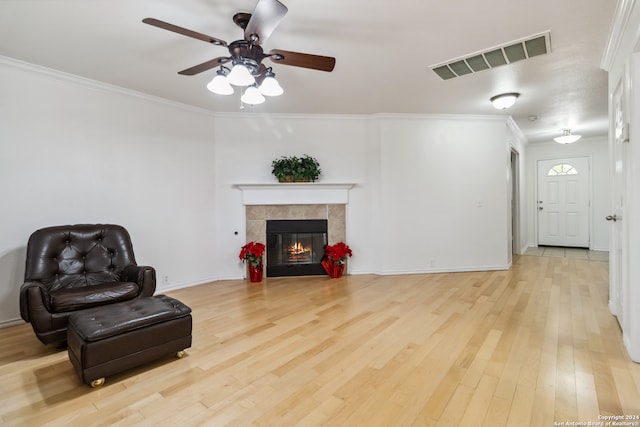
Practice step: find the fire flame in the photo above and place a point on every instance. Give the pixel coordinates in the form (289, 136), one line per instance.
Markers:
(298, 251)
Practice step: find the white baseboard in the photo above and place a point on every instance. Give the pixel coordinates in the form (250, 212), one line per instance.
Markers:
(633, 350)
(174, 287)
(11, 322)
(432, 270)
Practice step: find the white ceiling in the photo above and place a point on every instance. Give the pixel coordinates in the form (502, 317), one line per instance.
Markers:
(383, 51)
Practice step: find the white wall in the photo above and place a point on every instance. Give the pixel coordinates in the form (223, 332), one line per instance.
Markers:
(444, 191)
(73, 151)
(246, 145)
(596, 149)
(431, 191)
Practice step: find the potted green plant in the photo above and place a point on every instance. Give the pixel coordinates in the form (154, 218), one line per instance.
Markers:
(296, 169)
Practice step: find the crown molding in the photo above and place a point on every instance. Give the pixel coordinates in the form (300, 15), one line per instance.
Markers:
(83, 81)
(292, 116)
(619, 26)
(95, 84)
(426, 116)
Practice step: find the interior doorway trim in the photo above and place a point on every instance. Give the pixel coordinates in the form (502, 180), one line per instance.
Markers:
(514, 184)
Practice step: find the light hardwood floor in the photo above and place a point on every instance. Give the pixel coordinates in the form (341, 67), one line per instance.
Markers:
(535, 345)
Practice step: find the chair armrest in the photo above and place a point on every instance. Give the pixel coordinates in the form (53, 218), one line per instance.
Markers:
(32, 294)
(144, 276)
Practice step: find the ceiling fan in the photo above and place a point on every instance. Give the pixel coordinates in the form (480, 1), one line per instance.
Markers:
(246, 55)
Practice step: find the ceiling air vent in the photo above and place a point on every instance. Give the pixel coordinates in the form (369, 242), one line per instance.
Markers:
(539, 44)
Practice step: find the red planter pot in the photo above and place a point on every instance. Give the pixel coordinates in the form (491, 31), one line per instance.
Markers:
(334, 270)
(255, 273)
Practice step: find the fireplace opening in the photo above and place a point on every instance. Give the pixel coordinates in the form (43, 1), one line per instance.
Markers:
(295, 247)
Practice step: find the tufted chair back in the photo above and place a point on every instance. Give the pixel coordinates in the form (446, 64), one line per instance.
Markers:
(74, 267)
(79, 255)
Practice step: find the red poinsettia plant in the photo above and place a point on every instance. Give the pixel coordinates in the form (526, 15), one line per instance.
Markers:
(337, 253)
(252, 253)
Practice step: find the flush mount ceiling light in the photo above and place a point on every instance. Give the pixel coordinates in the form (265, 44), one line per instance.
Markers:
(567, 137)
(504, 100)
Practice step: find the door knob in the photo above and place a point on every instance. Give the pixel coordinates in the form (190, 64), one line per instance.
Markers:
(540, 208)
(613, 218)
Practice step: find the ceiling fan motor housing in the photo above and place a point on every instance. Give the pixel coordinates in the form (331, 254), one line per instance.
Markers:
(248, 54)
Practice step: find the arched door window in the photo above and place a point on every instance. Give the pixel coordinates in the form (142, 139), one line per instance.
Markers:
(562, 169)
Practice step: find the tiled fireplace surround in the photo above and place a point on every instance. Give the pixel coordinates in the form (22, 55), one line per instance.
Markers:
(295, 201)
(258, 215)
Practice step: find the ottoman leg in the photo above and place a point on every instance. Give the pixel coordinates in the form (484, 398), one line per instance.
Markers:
(97, 383)
(181, 354)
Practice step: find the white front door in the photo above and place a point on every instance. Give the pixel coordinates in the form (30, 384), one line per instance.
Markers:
(563, 202)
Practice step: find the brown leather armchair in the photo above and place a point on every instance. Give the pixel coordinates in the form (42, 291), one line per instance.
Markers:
(72, 267)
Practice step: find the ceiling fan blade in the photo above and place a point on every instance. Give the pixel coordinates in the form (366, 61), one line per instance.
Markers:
(205, 66)
(264, 20)
(184, 31)
(304, 60)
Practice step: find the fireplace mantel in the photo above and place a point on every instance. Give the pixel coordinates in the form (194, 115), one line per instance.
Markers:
(295, 193)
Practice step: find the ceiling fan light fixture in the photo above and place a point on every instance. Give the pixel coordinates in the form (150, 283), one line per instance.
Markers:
(504, 100)
(240, 75)
(270, 86)
(245, 57)
(567, 137)
(252, 96)
(220, 84)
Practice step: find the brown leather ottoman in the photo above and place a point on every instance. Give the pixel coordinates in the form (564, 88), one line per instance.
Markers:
(107, 340)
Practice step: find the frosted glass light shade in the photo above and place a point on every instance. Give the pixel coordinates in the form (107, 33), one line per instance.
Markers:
(271, 87)
(220, 85)
(504, 101)
(252, 96)
(240, 76)
(567, 137)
